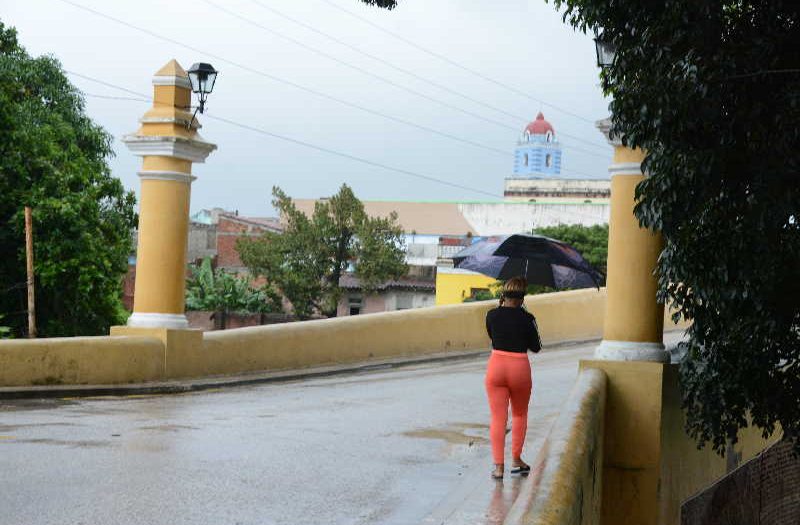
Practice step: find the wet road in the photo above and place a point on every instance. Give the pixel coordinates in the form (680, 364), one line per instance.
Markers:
(399, 446)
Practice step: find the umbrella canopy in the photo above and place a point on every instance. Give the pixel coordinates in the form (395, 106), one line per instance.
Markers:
(539, 259)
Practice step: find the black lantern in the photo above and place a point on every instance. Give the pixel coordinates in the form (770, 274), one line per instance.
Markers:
(202, 77)
(605, 52)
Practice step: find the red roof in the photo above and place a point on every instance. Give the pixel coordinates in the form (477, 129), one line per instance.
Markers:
(540, 126)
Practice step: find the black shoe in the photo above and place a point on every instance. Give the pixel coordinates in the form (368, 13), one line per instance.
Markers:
(522, 471)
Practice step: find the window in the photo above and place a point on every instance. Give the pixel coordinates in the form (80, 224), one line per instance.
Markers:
(548, 160)
(548, 137)
(480, 294)
(354, 303)
(525, 160)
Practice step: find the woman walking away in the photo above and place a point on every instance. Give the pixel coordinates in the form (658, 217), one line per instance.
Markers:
(508, 376)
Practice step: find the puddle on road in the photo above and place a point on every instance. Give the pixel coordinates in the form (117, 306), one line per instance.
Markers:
(12, 428)
(20, 405)
(168, 428)
(88, 443)
(453, 434)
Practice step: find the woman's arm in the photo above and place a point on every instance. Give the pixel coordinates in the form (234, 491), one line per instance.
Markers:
(535, 343)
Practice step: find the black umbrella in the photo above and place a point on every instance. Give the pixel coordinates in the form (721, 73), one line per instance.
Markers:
(539, 259)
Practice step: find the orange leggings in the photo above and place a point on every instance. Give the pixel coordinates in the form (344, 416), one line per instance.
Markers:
(508, 377)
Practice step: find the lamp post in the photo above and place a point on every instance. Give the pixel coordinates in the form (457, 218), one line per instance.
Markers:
(606, 52)
(202, 77)
(169, 144)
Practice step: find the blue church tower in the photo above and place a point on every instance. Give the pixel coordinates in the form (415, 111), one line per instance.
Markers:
(538, 152)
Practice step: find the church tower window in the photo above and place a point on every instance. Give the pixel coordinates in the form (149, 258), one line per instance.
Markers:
(548, 160)
(525, 160)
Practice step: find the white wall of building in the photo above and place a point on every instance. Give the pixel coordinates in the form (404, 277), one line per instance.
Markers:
(505, 218)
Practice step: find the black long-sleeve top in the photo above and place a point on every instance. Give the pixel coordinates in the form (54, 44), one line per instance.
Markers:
(513, 330)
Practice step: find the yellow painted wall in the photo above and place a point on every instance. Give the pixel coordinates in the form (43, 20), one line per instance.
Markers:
(80, 360)
(161, 253)
(631, 458)
(649, 465)
(632, 256)
(566, 470)
(377, 336)
(685, 470)
(453, 288)
(563, 316)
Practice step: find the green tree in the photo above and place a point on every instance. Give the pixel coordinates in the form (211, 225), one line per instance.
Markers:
(5, 331)
(711, 90)
(306, 262)
(222, 292)
(591, 241)
(53, 158)
(388, 4)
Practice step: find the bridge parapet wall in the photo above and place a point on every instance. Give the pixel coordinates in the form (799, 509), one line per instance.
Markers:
(568, 472)
(618, 452)
(155, 354)
(574, 315)
(81, 360)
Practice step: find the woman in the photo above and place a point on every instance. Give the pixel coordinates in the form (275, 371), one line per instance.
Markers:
(508, 376)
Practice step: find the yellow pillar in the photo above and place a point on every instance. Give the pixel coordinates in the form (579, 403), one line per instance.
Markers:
(168, 144)
(634, 323)
(632, 355)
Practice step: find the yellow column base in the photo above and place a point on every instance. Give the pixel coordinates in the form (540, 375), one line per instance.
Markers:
(181, 348)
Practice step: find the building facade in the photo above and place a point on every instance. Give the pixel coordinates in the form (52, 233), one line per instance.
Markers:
(535, 196)
(538, 151)
(536, 175)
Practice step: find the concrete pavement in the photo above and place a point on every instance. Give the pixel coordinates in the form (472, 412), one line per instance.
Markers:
(400, 446)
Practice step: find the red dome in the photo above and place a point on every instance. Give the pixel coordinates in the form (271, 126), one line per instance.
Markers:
(540, 126)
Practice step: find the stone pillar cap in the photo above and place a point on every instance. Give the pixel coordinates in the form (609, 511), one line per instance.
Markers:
(172, 74)
(604, 125)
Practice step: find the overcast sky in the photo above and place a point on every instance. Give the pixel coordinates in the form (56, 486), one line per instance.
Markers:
(520, 43)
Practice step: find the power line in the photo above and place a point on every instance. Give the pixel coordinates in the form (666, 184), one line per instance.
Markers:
(287, 82)
(373, 75)
(310, 145)
(354, 67)
(413, 74)
(261, 131)
(107, 84)
(17, 286)
(111, 97)
(299, 86)
(456, 64)
(351, 157)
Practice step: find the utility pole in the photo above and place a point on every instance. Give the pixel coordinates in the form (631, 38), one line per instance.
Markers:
(29, 259)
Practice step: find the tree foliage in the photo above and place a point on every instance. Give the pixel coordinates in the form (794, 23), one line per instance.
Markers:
(306, 262)
(711, 90)
(387, 4)
(53, 158)
(220, 291)
(5, 331)
(590, 241)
